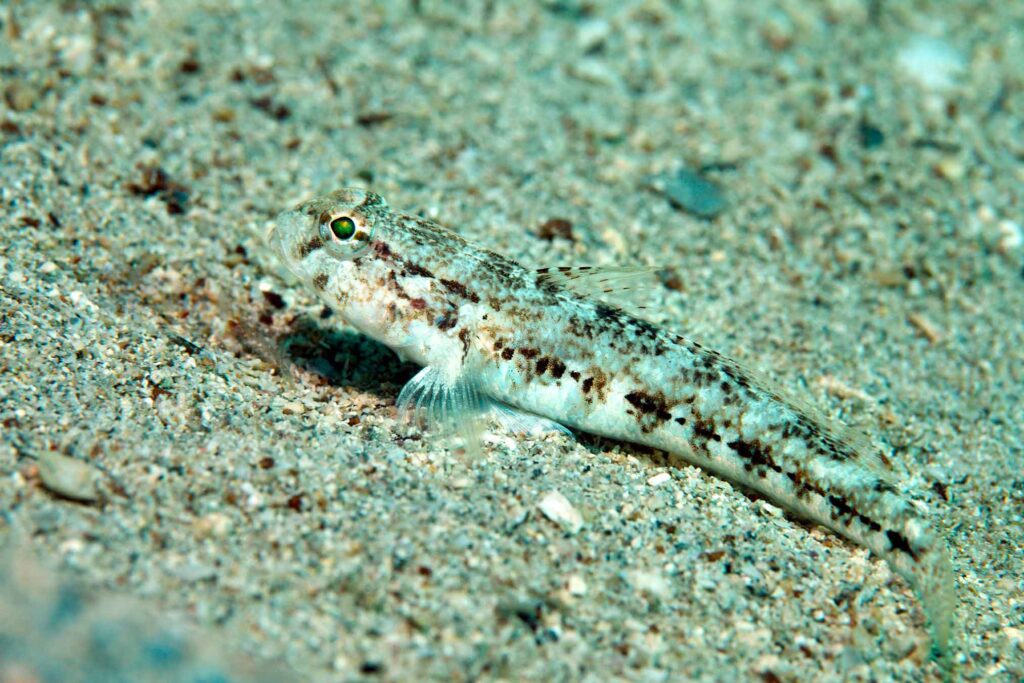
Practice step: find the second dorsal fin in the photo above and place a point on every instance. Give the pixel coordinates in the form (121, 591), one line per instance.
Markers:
(607, 283)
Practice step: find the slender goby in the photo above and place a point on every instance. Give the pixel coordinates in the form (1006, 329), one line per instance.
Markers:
(491, 333)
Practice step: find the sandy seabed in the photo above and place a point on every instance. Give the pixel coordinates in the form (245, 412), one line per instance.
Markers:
(188, 439)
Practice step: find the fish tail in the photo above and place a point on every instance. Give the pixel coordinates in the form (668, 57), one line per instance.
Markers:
(930, 572)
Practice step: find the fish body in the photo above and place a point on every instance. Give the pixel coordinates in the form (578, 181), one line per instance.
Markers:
(490, 332)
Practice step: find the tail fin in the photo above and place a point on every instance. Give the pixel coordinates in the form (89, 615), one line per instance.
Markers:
(930, 572)
(936, 587)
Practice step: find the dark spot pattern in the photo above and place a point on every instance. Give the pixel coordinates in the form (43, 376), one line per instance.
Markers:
(705, 431)
(460, 289)
(757, 456)
(320, 281)
(309, 247)
(416, 270)
(649, 404)
(447, 321)
(899, 542)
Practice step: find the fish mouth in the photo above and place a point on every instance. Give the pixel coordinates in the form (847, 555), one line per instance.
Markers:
(281, 236)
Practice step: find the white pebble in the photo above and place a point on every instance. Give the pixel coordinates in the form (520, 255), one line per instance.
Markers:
(592, 33)
(1010, 236)
(80, 300)
(293, 408)
(932, 62)
(651, 583)
(68, 477)
(559, 510)
(576, 586)
(659, 479)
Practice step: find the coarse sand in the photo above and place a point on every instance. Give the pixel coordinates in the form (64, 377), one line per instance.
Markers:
(834, 191)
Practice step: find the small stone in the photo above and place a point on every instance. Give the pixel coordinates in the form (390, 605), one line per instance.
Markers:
(80, 300)
(615, 240)
(929, 330)
(950, 168)
(576, 586)
(559, 510)
(840, 389)
(650, 583)
(592, 33)
(1010, 236)
(932, 62)
(293, 408)
(213, 525)
(192, 571)
(870, 136)
(68, 477)
(555, 227)
(594, 71)
(19, 96)
(659, 479)
(689, 191)
(48, 267)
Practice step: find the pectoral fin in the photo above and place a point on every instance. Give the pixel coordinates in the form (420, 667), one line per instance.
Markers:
(444, 405)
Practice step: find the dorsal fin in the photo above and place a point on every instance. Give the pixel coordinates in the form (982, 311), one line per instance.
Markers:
(607, 283)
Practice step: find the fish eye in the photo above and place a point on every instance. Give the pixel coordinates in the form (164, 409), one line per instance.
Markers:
(343, 233)
(343, 228)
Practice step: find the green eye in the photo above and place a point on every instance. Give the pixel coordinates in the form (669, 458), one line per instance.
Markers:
(343, 228)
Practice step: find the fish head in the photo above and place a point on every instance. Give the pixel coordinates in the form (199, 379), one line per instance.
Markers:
(330, 244)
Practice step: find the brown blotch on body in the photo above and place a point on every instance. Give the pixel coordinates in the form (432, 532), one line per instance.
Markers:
(705, 430)
(508, 353)
(418, 304)
(320, 281)
(649, 404)
(899, 542)
(309, 247)
(417, 270)
(756, 455)
(557, 368)
(460, 289)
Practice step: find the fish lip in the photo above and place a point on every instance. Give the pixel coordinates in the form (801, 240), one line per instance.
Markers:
(281, 240)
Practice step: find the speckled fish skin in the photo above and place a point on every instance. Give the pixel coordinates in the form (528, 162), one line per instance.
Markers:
(522, 338)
